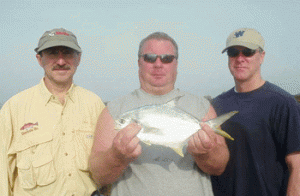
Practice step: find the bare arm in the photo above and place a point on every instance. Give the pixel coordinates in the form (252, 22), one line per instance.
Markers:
(209, 149)
(112, 151)
(293, 163)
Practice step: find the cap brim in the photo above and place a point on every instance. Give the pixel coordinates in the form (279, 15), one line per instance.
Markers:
(58, 43)
(245, 44)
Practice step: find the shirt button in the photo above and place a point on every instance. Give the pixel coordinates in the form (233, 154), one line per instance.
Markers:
(66, 154)
(63, 133)
(69, 174)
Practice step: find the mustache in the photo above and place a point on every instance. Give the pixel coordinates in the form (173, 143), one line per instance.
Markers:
(61, 67)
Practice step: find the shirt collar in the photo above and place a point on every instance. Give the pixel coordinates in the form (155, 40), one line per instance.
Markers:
(47, 95)
(71, 93)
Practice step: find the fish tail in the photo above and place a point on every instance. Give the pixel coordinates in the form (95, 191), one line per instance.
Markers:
(219, 131)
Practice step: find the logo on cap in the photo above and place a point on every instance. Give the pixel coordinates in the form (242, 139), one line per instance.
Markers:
(58, 33)
(62, 33)
(239, 33)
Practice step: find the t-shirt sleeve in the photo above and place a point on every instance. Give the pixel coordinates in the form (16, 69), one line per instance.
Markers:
(287, 124)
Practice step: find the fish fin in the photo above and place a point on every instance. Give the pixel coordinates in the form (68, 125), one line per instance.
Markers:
(153, 130)
(172, 103)
(178, 151)
(148, 143)
(219, 131)
(216, 122)
(221, 119)
(134, 121)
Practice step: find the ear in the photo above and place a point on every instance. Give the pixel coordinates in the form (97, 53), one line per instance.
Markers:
(79, 58)
(139, 63)
(39, 59)
(262, 57)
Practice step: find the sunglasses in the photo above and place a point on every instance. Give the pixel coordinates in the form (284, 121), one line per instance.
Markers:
(54, 52)
(233, 52)
(164, 58)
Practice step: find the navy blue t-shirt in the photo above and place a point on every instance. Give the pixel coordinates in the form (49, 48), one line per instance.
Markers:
(266, 129)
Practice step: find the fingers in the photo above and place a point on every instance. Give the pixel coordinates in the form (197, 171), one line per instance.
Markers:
(202, 141)
(125, 135)
(212, 136)
(126, 145)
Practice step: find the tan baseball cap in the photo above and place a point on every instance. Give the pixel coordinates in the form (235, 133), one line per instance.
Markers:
(58, 37)
(246, 37)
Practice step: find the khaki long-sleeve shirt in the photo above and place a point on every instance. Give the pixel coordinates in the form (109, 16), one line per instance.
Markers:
(45, 145)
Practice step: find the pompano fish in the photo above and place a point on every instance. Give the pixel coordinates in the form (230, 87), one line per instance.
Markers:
(167, 125)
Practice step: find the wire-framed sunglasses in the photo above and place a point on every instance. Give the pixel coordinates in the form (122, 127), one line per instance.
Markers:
(233, 52)
(53, 52)
(164, 58)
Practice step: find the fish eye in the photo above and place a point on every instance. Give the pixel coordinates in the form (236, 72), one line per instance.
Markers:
(122, 121)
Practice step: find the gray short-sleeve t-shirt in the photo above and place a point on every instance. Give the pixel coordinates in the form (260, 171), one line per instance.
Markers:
(159, 170)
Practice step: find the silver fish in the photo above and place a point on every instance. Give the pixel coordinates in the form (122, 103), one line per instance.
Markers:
(167, 125)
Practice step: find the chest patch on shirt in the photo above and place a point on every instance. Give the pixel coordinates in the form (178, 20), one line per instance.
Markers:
(29, 127)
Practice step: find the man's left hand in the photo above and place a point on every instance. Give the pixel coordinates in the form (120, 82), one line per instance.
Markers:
(202, 141)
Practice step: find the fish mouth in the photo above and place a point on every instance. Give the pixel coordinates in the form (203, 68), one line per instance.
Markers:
(117, 126)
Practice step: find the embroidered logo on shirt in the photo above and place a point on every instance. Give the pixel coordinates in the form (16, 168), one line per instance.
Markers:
(29, 127)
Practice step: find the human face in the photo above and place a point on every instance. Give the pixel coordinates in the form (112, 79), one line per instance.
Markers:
(157, 78)
(60, 64)
(246, 69)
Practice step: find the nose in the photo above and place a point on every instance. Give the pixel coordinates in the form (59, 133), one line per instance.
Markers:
(158, 63)
(240, 57)
(61, 59)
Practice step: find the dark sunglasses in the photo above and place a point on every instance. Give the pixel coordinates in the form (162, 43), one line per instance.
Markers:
(233, 52)
(164, 58)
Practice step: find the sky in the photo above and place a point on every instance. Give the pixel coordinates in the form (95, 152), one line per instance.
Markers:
(109, 32)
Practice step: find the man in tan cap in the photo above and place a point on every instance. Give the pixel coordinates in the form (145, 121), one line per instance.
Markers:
(47, 131)
(264, 157)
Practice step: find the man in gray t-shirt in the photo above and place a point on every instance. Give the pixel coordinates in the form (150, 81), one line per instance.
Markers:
(119, 158)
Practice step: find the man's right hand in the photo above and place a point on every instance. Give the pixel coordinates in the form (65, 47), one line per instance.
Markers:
(126, 145)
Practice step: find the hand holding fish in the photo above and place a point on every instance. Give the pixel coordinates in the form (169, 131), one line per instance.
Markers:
(209, 150)
(202, 141)
(126, 146)
(114, 150)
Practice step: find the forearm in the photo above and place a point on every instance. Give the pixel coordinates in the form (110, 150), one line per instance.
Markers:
(105, 169)
(112, 150)
(293, 188)
(293, 162)
(215, 161)
(294, 185)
